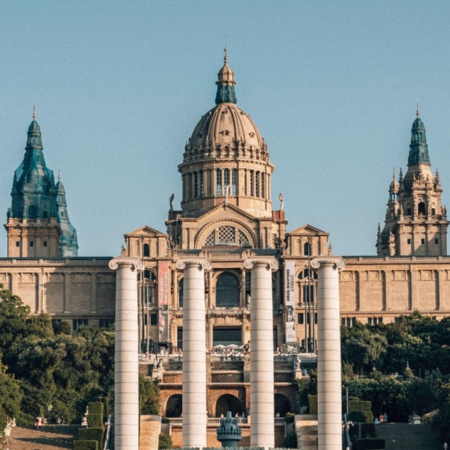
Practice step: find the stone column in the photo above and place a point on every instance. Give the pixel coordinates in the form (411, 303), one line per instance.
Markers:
(329, 388)
(261, 353)
(194, 352)
(126, 378)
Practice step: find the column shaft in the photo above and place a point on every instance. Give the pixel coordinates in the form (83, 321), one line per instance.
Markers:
(194, 353)
(261, 354)
(329, 387)
(126, 377)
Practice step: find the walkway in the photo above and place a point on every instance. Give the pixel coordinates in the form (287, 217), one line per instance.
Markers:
(48, 437)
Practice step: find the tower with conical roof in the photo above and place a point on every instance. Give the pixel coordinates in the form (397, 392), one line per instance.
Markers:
(34, 225)
(416, 221)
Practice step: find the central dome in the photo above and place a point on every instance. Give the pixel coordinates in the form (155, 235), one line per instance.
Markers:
(226, 160)
(228, 125)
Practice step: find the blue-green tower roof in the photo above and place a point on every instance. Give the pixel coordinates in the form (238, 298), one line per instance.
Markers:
(418, 149)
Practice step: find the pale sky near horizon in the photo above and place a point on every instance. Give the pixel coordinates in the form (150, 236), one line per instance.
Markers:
(119, 87)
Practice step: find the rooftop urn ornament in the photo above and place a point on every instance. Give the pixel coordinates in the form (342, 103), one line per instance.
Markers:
(229, 433)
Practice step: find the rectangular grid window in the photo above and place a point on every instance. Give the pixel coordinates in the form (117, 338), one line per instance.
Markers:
(218, 182)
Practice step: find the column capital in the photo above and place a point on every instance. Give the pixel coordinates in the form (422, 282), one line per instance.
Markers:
(335, 261)
(270, 263)
(136, 263)
(202, 263)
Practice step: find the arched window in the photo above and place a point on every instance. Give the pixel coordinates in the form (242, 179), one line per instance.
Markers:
(174, 406)
(228, 402)
(227, 291)
(422, 208)
(307, 249)
(146, 250)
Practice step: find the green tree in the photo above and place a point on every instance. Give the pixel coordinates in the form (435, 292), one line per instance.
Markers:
(10, 397)
(148, 396)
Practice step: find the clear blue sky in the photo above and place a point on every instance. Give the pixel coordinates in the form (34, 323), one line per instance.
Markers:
(120, 85)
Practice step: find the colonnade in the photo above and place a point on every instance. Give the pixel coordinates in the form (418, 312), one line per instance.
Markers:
(194, 353)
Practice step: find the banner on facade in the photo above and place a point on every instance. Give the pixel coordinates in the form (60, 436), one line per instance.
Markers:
(163, 325)
(289, 301)
(163, 283)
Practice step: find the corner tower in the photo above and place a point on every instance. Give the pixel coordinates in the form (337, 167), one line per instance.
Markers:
(35, 227)
(226, 158)
(416, 221)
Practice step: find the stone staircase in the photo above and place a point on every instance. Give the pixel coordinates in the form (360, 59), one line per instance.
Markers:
(47, 437)
(306, 430)
(403, 436)
(149, 433)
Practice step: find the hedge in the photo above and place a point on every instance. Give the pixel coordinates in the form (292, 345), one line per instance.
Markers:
(95, 417)
(91, 434)
(369, 444)
(85, 445)
(312, 400)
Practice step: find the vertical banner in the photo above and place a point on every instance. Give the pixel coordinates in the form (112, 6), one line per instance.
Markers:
(289, 301)
(163, 301)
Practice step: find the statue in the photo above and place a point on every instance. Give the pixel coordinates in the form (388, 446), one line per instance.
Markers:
(171, 201)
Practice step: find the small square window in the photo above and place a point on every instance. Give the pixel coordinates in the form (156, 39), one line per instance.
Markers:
(17, 244)
(409, 241)
(422, 241)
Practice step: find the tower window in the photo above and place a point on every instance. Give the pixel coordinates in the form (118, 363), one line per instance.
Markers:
(422, 208)
(17, 244)
(226, 177)
(307, 249)
(408, 211)
(45, 243)
(433, 211)
(436, 241)
(31, 244)
(252, 183)
(257, 189)
(45, 215)
(409, 241)
(422, 241)
(218, 182)
(202, 186)
(195, 184)
(234, 182)
(146, 250)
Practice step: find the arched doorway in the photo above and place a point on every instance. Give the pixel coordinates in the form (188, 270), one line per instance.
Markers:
(282, 405)
(174, 406)
(227, 403)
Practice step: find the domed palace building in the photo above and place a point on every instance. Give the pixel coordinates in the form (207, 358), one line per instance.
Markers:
(227, 216)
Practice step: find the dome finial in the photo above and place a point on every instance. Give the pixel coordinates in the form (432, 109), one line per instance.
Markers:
(225, 82)
(34, 111)
(417, 109)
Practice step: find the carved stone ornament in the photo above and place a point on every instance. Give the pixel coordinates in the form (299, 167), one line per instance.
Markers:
(271, 263)
(135, 263)
(336, 261)
(202, 263)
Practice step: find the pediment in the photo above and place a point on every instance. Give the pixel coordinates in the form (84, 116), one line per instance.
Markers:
(308, 230)
(226, 211)
(146, 231)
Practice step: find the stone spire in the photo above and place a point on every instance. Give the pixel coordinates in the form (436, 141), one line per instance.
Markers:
(225, 83)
